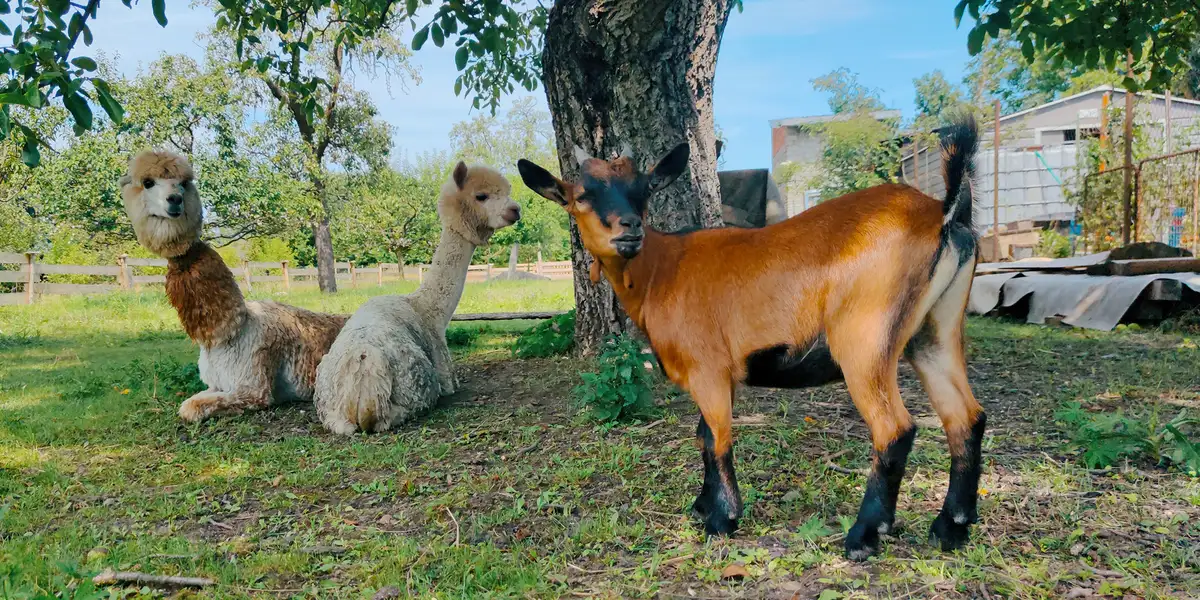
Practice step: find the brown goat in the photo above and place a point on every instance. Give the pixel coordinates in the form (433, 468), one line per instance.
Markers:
(841, 290)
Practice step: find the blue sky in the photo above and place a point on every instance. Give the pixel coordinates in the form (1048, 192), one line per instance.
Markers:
(770, 53)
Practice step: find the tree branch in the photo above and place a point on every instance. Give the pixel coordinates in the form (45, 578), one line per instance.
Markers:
(332, 106)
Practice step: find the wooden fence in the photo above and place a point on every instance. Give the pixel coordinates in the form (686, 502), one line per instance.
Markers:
(132, 274)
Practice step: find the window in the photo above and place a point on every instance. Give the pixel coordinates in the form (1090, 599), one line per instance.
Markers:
(1068, 136)
(811, 198)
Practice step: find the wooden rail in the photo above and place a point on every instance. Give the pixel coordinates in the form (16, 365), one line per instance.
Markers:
(34, 278)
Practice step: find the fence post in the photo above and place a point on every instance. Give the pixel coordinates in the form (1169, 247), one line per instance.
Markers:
(31, 278)
(539, 262)
(489, 272)
(287, 280)
(123, 276)
(246, 273)
(352, 282)
(380, 274)
(420, 274)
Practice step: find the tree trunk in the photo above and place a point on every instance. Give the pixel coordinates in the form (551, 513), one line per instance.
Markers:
(326, 269)
(638, 72)
(399, 252)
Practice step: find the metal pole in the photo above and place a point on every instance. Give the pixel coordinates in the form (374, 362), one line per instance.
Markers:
(1127, 204)
(1104, 102)
(1196, 207)
(996, 182)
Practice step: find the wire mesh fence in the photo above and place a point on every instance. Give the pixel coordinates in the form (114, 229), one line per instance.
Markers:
(1168, 200)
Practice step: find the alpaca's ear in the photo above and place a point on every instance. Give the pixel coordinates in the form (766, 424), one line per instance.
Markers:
(543, 182)
(460, 174)
(125, 180)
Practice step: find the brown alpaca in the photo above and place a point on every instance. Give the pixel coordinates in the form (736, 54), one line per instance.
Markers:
(252, 354)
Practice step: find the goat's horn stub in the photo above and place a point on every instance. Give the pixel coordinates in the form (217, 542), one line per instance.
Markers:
(626, 150)
(581, 155)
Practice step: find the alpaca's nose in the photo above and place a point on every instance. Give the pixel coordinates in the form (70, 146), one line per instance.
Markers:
(175, 199)
(514, 214)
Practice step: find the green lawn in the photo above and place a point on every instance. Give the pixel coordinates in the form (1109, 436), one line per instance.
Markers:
(506, 491)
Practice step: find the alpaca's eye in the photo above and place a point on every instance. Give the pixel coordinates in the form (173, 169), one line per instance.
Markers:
(481, 196)
(147, 183)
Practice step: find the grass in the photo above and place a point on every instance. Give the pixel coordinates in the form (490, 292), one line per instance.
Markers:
(506, 490)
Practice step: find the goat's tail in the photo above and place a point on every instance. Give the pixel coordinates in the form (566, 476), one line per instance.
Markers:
(959, 142)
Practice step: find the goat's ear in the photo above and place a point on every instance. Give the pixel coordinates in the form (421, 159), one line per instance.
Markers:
(670, 167)
(543, 182)
(460, 174)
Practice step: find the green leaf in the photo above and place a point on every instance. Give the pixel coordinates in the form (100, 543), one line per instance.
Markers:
(80, 111)
(5, 125)
(958, 12)
(458, 86)
(438, 38)
(449, 24)
(84, 63)
(160, 11)
(1027, 50)
(419, 38)
(30, 154)
(411, 7)
(4, 8)
(107, 102)
(975, 40)
(4, 30)
(460, 57)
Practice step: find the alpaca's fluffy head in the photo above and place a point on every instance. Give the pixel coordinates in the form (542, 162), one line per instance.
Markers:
(476, 202)
(159, 192)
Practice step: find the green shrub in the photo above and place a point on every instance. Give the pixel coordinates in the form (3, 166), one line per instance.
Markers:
(550, 338)
(461, 337)
(621, 389)
(1108, 437)
(1053, 244)
(163, 378)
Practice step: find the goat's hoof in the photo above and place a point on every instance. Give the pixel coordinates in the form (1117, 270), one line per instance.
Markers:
(947, 533)
(863, 541)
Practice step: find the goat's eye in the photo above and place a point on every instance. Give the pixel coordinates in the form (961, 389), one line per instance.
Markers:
(481, 196)
(186, 183)
(147, 183)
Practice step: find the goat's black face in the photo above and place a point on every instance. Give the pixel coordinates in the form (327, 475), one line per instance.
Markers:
(609, 202)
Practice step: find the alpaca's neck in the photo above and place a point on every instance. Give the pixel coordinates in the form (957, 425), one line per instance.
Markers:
(205, 294)
(442, 287)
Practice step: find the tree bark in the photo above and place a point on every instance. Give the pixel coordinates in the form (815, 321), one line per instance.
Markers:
(399, 252)
(326, 268)
(638, 72)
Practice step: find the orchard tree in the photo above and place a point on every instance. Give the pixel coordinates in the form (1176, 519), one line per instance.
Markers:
(1093, 34)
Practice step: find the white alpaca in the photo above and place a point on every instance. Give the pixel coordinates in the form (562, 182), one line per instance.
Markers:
(391, 361)
(252, 354)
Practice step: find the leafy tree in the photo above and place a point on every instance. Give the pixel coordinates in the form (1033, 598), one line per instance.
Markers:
(846, 93)
(498, 41)
(937, 99)
(859, 150)
(1092, 34)
(392, 215)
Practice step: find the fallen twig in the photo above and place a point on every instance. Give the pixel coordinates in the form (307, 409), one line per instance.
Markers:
(665, 563)
(111, 577)
(843, 470)
(456, 527)
(319, 550)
